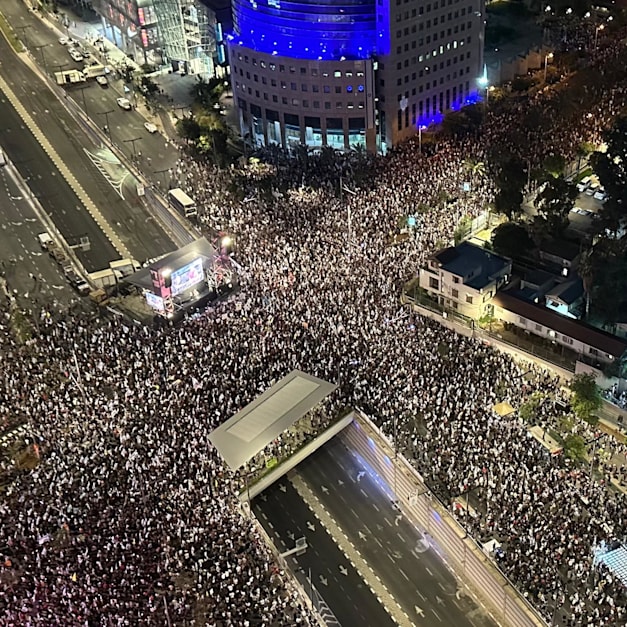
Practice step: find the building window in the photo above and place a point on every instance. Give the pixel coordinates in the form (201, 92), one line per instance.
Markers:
(522, 321)
(567, 340)
(455, 293)
(468, 299)
(539, 328)
(434, 284)
(455, 278)
(593, 351)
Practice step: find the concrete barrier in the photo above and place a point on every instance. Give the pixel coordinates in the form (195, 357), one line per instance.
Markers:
(460, 552)
(250, 492)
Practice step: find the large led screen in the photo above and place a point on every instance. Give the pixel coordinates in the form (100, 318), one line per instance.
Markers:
(187, 276)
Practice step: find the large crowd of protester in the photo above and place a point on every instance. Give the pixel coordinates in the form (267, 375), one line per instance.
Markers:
(120, 512)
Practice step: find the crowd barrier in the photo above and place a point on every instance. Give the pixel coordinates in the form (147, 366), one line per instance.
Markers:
(461, 553)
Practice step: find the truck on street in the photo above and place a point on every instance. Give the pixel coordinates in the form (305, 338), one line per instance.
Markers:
(92, 71)
(70, 77)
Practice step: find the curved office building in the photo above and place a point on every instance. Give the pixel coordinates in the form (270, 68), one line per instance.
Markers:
(307, 29)
(348, 72)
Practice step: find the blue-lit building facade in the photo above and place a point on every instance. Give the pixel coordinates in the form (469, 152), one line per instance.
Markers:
(349, 72)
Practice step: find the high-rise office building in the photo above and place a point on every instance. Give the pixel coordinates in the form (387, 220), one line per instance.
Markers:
(186, 34)
(187, 30)
(349, 72)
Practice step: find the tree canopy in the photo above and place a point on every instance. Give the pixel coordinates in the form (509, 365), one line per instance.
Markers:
(512, 240)
(586, 399)
(553, 204)
(611, 168)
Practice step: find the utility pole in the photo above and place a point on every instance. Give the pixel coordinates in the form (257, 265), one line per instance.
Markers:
(107, 126)
(132, 141)
(23, 29)
(164, 172)
(83, 88)
(43, 56)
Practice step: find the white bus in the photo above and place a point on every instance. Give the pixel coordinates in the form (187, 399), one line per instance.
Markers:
(186, 205)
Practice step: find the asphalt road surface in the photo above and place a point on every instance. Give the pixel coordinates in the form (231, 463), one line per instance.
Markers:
(363, 507)
(132, 223)
(25, 267)
(157, 154)
(286, 517)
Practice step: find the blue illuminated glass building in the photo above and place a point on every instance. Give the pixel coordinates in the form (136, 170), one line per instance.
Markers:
(349, 72)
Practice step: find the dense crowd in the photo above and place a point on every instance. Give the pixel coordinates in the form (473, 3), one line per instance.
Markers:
(122, 513)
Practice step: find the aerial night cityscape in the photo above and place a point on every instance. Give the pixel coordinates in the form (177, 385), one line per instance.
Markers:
(313, 313)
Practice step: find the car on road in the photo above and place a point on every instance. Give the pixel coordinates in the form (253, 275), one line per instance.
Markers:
(124, 103)
(102, 81)
(76, 281)
(64, 41)
(150, 127)
(583, 184)
(45, 241)
(76, 55)
(580, 211)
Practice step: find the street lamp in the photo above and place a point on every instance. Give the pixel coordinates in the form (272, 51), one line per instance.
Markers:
(43, 56)
(83, 88)
(596, 34)
(421, 127)
(23, 29)
(135, 139)
(546, 63)
(107, 126)
(484, 83)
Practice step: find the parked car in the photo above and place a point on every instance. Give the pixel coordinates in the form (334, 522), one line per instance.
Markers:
(600, 195)
(581, 212)
(76, 55)
(125, 103)
(583, 184)
(102, 81)
(150, 127)
(64, 41)
(592, 189)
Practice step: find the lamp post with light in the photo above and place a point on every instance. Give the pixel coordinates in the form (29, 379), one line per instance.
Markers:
(596, 34)
(484, 83)
(546, 63)
(421, 127)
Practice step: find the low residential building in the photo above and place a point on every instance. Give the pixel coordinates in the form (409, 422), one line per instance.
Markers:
(596, 345)
(560, 256)
(465, 278)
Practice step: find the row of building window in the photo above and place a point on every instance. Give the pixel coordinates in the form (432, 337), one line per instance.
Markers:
(435, 6)
(303, 71)
(421, 41)
(327, 89)
(400, 17)
(438, 103)
(316, 104)
(426, 87)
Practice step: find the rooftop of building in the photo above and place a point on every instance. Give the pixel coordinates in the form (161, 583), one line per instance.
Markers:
(476, 263)
(580, 331)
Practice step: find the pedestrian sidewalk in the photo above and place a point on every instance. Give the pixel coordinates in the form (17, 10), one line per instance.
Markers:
(175, 90)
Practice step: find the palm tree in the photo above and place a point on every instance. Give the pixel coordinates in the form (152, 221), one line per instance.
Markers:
(474, 166)
(587, 269)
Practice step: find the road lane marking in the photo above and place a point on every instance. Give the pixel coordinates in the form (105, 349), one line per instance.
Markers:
(403, 573)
